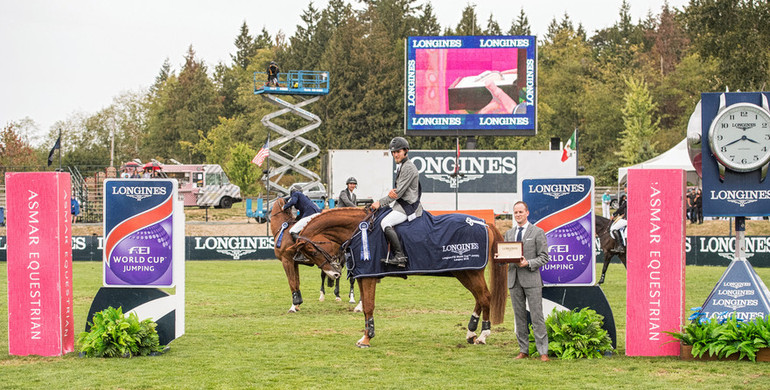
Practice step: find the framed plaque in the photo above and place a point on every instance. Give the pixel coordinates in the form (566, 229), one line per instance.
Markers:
(509, 252)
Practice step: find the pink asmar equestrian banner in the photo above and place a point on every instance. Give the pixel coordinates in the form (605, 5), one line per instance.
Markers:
(40, 318)
(656, 259)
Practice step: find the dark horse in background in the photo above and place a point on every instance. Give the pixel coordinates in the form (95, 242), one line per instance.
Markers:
(331, 266)
(607, 244)
(338, 226)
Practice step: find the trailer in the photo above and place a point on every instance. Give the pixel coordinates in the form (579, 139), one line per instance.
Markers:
(203, 185)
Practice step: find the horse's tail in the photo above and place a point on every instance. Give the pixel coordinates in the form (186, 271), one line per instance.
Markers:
(498, 281)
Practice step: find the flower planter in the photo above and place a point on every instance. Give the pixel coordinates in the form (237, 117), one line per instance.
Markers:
(763, 355)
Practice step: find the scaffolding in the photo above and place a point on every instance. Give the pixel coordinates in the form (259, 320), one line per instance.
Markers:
(306, 87)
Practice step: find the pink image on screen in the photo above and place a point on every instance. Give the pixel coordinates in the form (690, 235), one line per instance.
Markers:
(438, 70)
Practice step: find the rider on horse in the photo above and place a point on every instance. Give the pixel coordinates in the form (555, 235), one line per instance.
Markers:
(404, 197)
(618, 228)
(306, 207)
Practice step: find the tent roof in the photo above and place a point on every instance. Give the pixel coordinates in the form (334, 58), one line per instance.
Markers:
(674, 158)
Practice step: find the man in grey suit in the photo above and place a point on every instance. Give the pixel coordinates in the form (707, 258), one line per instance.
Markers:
(525, 284)
(404, 197)
(347, 197)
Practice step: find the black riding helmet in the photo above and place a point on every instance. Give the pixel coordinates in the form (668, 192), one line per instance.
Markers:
(352, 180)
(399, 143)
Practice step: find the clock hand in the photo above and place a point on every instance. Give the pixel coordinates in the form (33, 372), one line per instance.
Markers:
(739, 139)
(749, 139)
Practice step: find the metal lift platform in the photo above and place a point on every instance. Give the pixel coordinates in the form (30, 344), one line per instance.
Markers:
(307, 87)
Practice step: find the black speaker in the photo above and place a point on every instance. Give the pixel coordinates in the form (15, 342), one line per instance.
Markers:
(555, 143)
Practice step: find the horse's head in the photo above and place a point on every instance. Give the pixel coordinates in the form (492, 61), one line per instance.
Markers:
(321, 252)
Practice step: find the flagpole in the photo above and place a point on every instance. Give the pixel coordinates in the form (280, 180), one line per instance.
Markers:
(576, 152)
(267, 186)
(457, 172)
(60, 150)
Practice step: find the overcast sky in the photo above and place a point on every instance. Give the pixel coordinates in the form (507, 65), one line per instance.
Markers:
(64, 57)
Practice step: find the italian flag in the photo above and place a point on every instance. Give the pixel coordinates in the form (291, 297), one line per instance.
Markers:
(569, 147)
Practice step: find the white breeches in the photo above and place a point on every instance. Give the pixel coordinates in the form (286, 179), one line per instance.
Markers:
(620, 225)
(302, 223)
(392, 219)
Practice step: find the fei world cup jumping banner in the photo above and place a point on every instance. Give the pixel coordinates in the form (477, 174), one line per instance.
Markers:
(563, 208)
(138, 229)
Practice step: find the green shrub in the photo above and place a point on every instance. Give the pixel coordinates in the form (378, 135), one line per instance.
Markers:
(724, 337)
(115, 335)
(575, 334)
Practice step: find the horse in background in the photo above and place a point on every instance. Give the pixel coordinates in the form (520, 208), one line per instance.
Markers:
(336, 284)
(339, 225)
(280, 221)
(607, 244)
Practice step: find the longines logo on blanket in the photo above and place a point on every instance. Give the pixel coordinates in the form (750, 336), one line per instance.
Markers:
(556, 190)
(461, 249)
(138, 193)
(740, 197)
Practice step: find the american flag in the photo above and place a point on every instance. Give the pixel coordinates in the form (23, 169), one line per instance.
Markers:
(261, 155)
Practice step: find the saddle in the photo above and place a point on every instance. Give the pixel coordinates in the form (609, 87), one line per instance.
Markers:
(434, 245)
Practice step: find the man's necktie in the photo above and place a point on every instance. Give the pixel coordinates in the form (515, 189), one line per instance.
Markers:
(518, 234)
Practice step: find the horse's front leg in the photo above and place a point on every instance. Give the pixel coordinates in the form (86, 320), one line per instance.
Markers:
(607, 260)
(337, 290)
(291, 269)
(367, 288)
(352, 296)
(323, 291)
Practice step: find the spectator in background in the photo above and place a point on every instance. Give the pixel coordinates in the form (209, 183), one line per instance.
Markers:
(74, 209)
(347, 197)
(272, 74)
(698, 208)
(690, 203)
(606, 204)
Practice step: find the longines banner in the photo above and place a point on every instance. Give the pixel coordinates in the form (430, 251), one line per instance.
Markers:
(482, 171)
(701, 250)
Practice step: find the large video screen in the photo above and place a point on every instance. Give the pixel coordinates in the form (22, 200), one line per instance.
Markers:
(471, 85)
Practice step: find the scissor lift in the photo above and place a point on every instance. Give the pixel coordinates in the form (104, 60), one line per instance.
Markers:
(308, 87)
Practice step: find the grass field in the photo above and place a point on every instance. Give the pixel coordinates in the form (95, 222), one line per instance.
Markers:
(239, 335)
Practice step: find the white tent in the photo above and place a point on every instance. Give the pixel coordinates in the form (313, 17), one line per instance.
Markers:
(674, 158)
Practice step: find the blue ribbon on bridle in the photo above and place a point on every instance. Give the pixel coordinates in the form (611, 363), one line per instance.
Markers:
(364, 226)
(280, 234)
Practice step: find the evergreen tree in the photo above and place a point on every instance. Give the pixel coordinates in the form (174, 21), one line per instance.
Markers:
(427, 24)
(245, 46)
(520, 26)
(468, 22)
(492, 27)
(638, 137)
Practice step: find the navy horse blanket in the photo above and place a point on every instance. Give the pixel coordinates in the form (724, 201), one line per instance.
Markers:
(434, 245)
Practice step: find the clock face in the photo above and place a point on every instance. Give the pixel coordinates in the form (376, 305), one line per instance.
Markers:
(740, 137)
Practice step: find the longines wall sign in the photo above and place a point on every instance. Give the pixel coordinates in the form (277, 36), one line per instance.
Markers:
(701, 250)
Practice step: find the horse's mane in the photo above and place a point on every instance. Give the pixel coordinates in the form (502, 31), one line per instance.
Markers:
(345, 217)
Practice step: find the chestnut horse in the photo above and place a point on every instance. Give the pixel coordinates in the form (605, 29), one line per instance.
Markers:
(339, 225)
(607, 244)
(329, 265)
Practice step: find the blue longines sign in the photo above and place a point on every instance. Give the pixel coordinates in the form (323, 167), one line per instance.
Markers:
(138, 226)
(563, 208)
(735, 193)
(739, 290)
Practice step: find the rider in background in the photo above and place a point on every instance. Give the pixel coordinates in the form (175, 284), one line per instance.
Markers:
(347, 197)
(618, 228)
(306, 207)
(404, 199)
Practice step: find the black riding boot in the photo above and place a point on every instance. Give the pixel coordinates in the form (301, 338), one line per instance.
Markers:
(398, 258)
(619, 247)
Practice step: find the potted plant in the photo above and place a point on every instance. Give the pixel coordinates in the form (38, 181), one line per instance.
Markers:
(574, 334)
(113, 334)
(724, 337)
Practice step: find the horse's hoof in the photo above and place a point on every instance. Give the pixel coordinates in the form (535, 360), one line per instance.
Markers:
(321, 298)
(479, 341)
(471, 340)
(362, 345)
(359, 308)
(338, 299)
